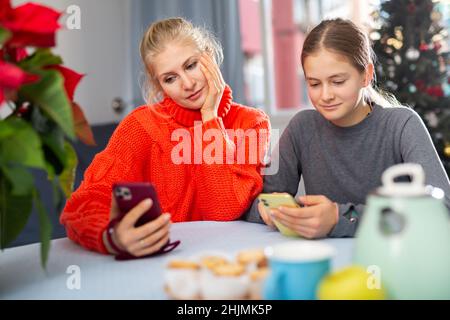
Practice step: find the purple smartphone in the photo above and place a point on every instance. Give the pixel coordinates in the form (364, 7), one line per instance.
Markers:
(130, 194)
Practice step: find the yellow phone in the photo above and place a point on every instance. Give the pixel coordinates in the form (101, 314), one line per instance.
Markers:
(276, 200)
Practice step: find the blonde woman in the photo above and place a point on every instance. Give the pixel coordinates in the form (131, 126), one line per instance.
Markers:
(168, 143)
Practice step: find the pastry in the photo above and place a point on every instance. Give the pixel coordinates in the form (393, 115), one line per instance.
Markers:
(182, 279)
(225, 282)
(252, 259)
(257, 278)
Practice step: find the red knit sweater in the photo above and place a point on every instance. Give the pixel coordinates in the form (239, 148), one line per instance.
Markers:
(140, 150)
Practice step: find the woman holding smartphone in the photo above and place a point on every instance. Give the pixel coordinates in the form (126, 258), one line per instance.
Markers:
(343, 146)
(168, 143)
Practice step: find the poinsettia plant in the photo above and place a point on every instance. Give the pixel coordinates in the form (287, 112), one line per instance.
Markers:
(40, 122)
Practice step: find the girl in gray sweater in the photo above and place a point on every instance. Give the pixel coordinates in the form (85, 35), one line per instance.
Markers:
(343, 146)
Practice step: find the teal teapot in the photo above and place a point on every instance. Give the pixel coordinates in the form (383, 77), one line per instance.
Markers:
(405, 232)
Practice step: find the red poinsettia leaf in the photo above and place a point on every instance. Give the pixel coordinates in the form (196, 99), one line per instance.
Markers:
(34, 17)
(71, 79)
(14, 54)
(2, 97)
(30, 78)
(18, 54)
(12, 77)
(32, 25)
(5, 9)
(82, 128)
(41, 40)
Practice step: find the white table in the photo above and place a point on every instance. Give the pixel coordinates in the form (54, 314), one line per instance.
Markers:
(21, 275)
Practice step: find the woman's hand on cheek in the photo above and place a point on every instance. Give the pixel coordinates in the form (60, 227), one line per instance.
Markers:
(315, 220)
(216, 86)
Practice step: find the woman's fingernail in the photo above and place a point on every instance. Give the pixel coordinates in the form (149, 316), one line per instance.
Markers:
(167, 217)
(148, 202)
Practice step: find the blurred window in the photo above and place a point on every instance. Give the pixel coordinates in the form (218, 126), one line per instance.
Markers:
(272, 33)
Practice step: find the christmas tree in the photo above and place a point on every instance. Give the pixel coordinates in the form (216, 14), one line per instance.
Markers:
(413, 63)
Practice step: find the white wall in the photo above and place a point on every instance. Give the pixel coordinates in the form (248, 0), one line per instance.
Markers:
(101, 50)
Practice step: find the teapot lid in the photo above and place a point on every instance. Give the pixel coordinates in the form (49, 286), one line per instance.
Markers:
(403, 189)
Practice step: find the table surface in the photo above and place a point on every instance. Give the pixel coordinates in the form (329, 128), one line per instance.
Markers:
(101, 277)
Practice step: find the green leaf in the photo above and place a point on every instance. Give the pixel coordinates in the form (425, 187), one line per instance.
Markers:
(52, 138)
(49, 94)
(23, 147)
(14, 213)
(6, 129)
(4, 35)
(54, 150)
(20, 178)
(50, 171)
(41, 123)
(58, 196)
(45, 228)
(67, 177)
(53, 160)
(39, 59)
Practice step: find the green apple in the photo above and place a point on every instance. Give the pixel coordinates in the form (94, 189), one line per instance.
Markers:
(285, 230)
(349, 283)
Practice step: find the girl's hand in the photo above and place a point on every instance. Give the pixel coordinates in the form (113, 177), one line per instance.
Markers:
(216, 86)
(142, 240)
(315, 220)
(263, 213)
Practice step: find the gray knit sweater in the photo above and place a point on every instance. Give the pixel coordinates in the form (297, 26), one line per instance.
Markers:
(346, 163)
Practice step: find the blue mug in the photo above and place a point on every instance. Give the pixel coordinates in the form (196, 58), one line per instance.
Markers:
(296, 269)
